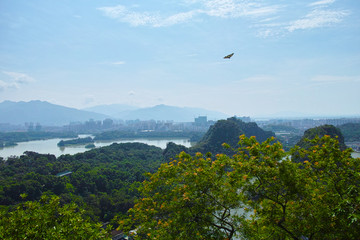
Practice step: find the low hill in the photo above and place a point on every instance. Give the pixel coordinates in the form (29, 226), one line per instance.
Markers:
(228, 131)
(44, 113)
(105, 179)
(321, 131)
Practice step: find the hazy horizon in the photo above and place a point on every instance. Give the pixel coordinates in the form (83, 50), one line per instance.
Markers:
(289, 56)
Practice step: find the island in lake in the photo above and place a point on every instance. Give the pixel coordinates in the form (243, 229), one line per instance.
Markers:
(76, 141)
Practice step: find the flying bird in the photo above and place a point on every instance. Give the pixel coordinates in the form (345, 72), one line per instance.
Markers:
(229, 56)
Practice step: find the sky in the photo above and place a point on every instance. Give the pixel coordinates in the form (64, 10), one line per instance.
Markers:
(289, 55)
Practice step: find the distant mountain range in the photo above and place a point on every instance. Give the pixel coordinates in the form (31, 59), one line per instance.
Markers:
(44, 113)
(49, 114)
(111, 110)
(158, 112)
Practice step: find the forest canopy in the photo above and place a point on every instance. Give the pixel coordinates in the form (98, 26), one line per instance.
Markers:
(258, 193)
(226, 187)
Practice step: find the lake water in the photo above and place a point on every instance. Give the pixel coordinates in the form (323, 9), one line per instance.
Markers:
(50, 146)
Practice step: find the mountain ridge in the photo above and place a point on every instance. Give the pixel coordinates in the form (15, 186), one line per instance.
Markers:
(162, 112)
(49, 114)
(43, 112)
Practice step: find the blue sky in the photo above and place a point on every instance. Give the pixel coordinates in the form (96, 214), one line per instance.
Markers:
(298, 56)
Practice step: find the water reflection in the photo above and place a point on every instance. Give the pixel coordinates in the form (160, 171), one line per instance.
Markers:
(50, 146)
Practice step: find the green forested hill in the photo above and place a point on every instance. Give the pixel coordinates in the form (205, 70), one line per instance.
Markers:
(104, 179)
(228, 131)
(321, 131)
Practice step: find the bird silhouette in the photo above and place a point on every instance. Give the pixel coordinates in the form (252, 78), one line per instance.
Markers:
(229, 56)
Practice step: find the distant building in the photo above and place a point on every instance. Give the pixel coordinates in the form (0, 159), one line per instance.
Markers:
(38, 127)
(108, 123)
(244, 119)
(201, 120)
(29, 126)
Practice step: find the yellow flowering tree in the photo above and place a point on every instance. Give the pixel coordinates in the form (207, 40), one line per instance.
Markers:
(48, 219)
(258, 193)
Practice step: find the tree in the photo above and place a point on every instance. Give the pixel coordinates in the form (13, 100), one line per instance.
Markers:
(47, 219)
(258, 193)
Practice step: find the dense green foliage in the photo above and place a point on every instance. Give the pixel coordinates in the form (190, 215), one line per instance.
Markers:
(75, 141)
(258, 193)
(228, 131)
(14, 137)
(351, 132)
(48, 219)
(321, 131)
(172, 150)
(104, 179)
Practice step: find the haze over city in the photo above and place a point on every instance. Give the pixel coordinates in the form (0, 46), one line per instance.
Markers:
(297, 56)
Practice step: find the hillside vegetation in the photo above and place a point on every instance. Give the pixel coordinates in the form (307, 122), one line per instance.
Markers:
(104, 179)
(228, 131)
(321, 131)
(187, 193)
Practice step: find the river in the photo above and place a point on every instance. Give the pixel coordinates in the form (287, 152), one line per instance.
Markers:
(50, 146)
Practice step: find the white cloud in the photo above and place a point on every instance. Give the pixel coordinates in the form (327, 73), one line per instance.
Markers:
(5, 85)
(266, 18)
(113, 12)
(214, 8)
(123, 14)
(270, 19)
(322, 2)
(176, 18)
(19, 77)
(14, 80)
(235, 8)
(118, 63)
(317, 18)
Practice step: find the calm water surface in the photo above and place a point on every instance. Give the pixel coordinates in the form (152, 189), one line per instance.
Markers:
(50, 146)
